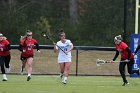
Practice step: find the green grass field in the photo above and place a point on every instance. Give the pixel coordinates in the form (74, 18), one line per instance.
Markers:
(76, 84)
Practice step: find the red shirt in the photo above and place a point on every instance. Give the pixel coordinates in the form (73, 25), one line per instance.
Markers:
(3, 47)
(122, 49)
(28, 47)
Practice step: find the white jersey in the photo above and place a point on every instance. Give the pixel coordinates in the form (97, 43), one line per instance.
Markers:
(62, 57)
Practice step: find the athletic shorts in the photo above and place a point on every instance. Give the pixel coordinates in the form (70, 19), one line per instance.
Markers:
(25, 58)
(64, 60)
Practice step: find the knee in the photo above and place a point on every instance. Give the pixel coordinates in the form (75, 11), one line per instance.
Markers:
(67, 68)
(29, 65)
(121, 71)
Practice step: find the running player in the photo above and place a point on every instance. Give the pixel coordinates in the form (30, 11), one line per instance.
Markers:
(26, 47)
(126, 55)
(4, 56)
(63, 59)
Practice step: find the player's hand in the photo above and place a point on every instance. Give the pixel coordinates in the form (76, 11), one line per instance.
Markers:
(126, 60)
(23, 50)
(54, 43)
(133, 54)
(38, 51)
(1, 49)
(67, 52)
(111, 61)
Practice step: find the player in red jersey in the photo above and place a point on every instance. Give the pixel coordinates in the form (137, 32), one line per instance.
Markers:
(127, 56)
(26, 47)
(4, 55)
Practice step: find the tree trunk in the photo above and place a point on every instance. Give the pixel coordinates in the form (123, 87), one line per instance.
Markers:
(73, 11)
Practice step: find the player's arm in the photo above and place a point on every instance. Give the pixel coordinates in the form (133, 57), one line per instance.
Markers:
(20, 47)
(71, 47)
(129, 53)
(7, 48)
(55, 48)
(116, 55)
(37, 47)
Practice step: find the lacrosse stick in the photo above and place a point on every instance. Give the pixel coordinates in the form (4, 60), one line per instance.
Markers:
(44, 34)
(99, 62)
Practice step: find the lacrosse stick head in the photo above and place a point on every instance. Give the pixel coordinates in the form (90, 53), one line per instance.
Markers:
(44, 34)
(99, 62)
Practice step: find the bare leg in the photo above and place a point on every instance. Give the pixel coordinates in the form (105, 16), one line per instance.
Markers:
(67, 68)
(23, 66)
(29, 62)
(62, 67)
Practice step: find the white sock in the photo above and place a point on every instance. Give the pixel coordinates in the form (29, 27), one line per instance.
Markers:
(65, 78)
(29, 74)
(61, 73)
(7, 70)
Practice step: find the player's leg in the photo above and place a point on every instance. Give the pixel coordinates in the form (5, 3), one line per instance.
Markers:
(23, 64)
(122, 72)
(2, 60)
(3, 73)
(29, 63)
(7, 63)
(62, 68)
(67, 69)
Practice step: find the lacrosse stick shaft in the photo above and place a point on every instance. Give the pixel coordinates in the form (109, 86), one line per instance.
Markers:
(60, 48)
(116, 61)
(47, 37)
(57, 45)
(100, 62)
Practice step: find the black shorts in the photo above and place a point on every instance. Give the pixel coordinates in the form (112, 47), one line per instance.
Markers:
(25, 58)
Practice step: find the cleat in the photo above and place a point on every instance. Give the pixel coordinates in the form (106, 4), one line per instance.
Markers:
(28, 78)
(125, 84)
(4, 80)
(64, 81)
(4, 77)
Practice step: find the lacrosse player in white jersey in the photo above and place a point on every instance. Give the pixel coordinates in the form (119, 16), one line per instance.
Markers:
(64, 59)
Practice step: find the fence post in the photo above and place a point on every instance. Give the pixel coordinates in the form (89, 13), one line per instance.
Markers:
(76, 62)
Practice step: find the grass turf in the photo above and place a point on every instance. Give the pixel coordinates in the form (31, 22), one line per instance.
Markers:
(79, 84)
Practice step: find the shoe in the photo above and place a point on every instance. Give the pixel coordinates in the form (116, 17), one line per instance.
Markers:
(64, 81)
(4, 77)
(125, 84)
(28, 78)
(4, 80)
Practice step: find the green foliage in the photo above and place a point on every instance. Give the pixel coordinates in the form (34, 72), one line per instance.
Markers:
(97, 24)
